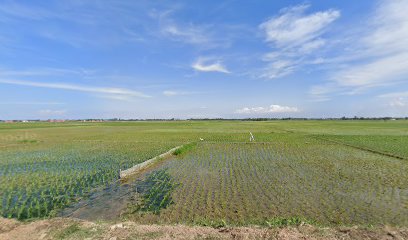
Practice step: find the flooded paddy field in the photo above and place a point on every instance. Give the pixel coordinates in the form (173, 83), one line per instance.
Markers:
(314, 171)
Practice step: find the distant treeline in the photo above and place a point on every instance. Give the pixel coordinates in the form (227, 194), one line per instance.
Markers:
(301, 119)
(208, 119)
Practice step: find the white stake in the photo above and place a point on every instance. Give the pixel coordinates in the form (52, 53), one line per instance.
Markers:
(251, 138)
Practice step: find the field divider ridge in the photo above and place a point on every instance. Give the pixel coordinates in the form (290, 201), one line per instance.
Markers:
(136, 168)
(360, 148)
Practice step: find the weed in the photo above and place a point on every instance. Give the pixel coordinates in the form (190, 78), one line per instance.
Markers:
(184, 149)
(283, 222)
(220, 223)
(73, 231)
(28, 141)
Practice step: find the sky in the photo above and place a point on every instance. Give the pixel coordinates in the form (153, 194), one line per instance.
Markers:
(203, 59)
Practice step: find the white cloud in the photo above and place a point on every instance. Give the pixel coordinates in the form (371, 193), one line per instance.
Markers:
(389, 29)
(311, 46)
(294, 35)
(399, 102)
(202, 65)
(118, 92)
(171, 93)
(378, 55)
(396, 99)
(52, 112)
(278, 68)
(31, 103)
(382, 71)
(42, 72)
(293, 27)
(270, 109)
(189, 34)
(394, 95)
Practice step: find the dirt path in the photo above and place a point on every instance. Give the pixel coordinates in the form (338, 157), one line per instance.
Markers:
(68, 228)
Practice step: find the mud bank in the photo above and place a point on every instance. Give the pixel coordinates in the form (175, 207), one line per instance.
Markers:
(68, 228)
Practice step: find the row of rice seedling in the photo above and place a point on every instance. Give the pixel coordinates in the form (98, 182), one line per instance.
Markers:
(396, 145)
(38, 183)
(295, 177)
(155, 193)
(283, 175)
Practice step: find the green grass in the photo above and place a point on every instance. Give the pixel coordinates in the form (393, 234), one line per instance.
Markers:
(73, 231)
(283, 222)
(28, 141)
(185, 149)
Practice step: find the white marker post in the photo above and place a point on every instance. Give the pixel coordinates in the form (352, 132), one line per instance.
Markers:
(251, 138)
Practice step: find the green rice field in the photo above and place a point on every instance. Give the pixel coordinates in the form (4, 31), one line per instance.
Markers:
(323, 172)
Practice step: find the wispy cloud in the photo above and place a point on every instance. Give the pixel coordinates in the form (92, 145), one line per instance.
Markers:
(379, 72)
(32, 103)
(13, 9)
(189, 33)
(50, 112)
(294, 28)
(396, 99)
(172, 93)
(114, 92)
(203, 65)
(203, 36)
(93, 24)
(270, 109)
(294, 35)
(378, 57)
(43, 72)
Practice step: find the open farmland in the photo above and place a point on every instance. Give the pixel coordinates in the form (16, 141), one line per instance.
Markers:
(291, 171)
(292, 177)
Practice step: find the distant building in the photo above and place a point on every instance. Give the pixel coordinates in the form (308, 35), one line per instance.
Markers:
(56, 120)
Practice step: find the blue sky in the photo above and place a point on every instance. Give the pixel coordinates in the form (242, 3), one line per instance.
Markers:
(194, 59)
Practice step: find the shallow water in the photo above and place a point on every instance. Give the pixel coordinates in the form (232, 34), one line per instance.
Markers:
(110, 202)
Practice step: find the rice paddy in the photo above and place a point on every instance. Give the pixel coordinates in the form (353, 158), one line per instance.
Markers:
(316, 171)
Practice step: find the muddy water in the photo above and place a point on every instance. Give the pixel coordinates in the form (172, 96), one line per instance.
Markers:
(110, 202)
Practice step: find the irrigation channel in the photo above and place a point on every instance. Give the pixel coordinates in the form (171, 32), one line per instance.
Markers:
(111, 201)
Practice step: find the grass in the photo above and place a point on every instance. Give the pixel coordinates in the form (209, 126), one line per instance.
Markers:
(218, 223)
(184, 149)
(28, 141)
(73, 231)
(284, 222)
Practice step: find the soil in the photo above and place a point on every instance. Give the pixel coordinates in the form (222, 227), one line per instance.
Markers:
(70, 228)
